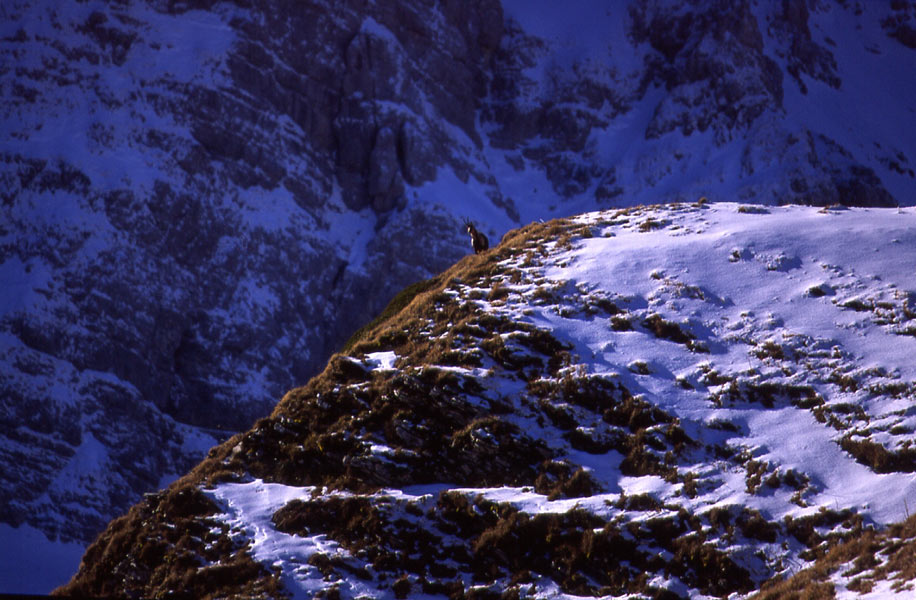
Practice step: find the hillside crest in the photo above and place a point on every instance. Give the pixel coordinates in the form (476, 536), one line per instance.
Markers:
(686, 400)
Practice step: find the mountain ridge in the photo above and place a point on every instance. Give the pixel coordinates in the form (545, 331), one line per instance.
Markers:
(527, 425)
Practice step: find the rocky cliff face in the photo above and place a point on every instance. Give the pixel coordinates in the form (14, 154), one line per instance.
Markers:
(202, 200)
(700, 98)
(185, 184)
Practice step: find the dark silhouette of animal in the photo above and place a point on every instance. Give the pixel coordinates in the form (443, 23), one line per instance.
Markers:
(478, 240)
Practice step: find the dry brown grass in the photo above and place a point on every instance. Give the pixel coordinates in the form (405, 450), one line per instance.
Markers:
(416, 304)
(879, 458)
(770, 349)
(666, 329)
(767, 393)
(169, 544)
(866, 555)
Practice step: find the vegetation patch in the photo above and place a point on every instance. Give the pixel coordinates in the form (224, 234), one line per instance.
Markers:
(652, 223)
(866, 555)
(669, 330)
(581, 552)
(170, 542)
(347, 519)
(878, 458)
(621, 323)
(819, 291)
(753, 525)
(767, 393)
(810, 530)
(397, 304)
(770, 349)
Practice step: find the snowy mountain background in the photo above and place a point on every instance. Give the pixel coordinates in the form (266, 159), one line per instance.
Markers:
(201, 201)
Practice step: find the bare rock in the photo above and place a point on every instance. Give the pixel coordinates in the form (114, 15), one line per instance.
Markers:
(385, 185)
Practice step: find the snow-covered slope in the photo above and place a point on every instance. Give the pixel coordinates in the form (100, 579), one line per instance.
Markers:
(197, 199)
(695, 398)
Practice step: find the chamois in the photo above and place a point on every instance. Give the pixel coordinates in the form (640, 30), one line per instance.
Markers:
(478, 240)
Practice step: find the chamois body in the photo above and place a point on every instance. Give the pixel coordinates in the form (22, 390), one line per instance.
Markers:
(479, 241)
